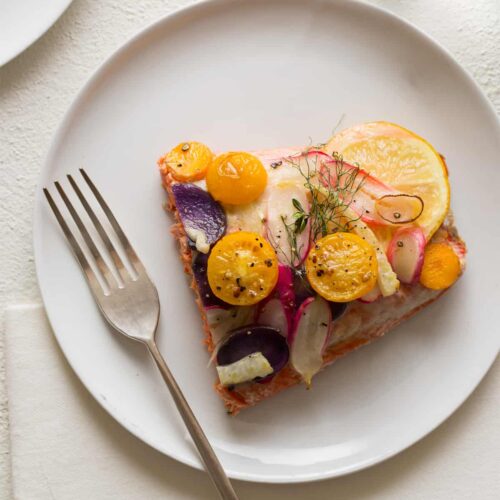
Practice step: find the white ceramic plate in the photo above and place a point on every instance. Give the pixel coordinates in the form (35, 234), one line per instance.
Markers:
(24, 21)
(247, 75)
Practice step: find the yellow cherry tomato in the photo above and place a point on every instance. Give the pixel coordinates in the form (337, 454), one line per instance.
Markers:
(342, 267)
(236, 178)
(188, 161)
(242, 268)
(441, 266)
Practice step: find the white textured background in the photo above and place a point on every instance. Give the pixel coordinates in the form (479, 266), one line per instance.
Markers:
(38, 86)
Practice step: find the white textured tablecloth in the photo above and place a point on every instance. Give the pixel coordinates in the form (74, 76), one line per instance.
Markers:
(64, 446)
(37, 87)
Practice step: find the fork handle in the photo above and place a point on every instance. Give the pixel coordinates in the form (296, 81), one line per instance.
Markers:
(212, 464)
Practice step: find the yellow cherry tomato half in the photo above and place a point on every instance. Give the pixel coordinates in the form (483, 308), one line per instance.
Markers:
(188, 161)
(342, 267)
(242, 268)
(236, 178)
(441, 267)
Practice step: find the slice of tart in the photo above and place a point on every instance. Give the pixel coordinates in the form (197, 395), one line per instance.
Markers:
(299, 256)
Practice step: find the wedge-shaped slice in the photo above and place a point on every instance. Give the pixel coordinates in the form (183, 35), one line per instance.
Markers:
(361, 321)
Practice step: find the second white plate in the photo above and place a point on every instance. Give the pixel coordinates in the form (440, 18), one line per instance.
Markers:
(250, 75)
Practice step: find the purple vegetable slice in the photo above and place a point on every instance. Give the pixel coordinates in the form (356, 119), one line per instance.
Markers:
(252, 339)
(199, 267)
(204, 219)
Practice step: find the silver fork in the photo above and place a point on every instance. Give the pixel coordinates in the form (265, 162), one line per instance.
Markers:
(132, 307)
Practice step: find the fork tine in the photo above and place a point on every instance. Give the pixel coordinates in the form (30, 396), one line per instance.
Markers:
(134, 260)
(106, 273)
(80, 256)
(97, 224)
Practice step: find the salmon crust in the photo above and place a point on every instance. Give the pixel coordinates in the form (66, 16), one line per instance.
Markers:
(361, 324)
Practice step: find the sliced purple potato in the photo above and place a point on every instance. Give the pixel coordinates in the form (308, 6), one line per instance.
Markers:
(199, 267)
(204, 219)
(252, 339)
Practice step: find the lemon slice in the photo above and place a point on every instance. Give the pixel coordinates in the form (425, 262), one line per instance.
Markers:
(402, 160)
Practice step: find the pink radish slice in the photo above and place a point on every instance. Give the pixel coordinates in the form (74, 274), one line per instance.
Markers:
(286, 292)
(278, 310)
(281, 211)
(273, 314)
(312, 328)
(406, 253)
(373, 295)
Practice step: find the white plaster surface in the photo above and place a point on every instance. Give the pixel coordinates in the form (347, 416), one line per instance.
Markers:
(37, 87)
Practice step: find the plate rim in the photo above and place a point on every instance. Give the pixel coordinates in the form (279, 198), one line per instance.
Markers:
(37, 238)
(37, 35)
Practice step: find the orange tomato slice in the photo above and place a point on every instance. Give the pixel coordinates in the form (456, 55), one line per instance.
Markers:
(342, 267)
(441, 267)
(188, 161)
(242, 268)
(236, 178)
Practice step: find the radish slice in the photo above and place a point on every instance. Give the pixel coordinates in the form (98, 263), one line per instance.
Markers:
(286, 292)
(373, 295)
(312, 329)
(273, 313)
(399, 208)
(221, 321)
(282, 206)
(406, 253)
(278, 310)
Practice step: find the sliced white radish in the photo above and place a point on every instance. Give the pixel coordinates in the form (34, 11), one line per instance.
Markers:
(248, 368)
(373, 295)
(312, 327)
(282, 203)
(406, 253)
(272, 313)
(221, 320)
